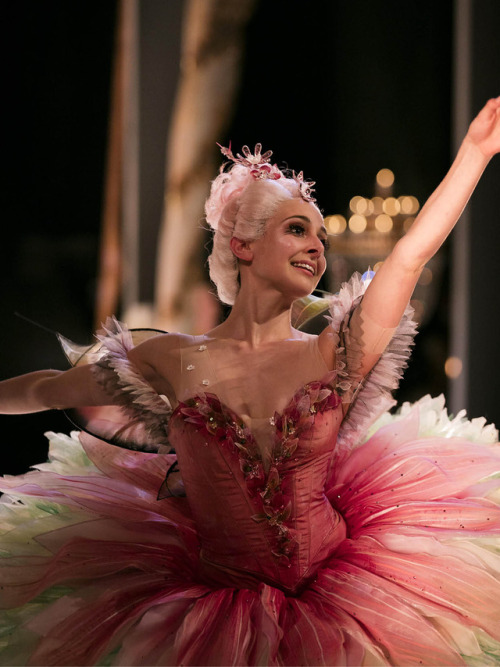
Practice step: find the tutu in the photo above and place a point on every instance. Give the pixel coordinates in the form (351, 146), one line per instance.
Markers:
(376, 550)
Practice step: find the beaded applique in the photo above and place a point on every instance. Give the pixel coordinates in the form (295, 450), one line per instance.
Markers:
(209, 415)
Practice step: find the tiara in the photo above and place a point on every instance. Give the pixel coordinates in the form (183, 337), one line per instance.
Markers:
(260, 168)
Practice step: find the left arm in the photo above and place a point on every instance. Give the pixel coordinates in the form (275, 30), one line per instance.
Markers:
(390, 290)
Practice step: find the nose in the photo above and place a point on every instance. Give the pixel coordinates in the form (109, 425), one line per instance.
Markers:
(316, 248)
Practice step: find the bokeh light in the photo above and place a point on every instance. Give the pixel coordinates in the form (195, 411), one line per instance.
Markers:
(357, 223)
(408, 223)
(357, 205)
(453, 367)
(335, 224)
(425, 276)
(409, 204)
(391, 206)
(383, 223)
(385, 178)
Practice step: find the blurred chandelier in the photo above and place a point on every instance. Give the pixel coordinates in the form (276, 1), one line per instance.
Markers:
(368, 234)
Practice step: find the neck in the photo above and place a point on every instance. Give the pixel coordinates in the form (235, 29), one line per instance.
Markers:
(258, 319)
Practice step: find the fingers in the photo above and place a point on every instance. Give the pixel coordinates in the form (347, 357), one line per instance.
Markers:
(489, 110)
(493, 103)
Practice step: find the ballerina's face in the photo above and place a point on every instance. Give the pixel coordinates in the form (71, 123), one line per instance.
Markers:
(291, 253)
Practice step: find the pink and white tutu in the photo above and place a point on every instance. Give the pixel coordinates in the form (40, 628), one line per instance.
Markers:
(375, 544)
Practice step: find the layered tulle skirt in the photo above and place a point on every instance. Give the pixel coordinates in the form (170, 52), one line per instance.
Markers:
(95, 570)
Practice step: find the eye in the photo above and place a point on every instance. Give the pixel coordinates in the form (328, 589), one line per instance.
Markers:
(297, 228)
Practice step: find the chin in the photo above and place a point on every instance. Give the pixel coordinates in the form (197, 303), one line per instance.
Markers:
(293, 290)
(300, 293)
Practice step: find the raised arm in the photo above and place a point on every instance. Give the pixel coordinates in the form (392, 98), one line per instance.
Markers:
(392, 286)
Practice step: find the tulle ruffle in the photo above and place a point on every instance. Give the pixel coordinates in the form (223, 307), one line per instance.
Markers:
(97, 571)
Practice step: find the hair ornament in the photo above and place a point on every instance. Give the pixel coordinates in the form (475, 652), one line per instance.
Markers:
(260, 167)
(258, 164)
(306, 187)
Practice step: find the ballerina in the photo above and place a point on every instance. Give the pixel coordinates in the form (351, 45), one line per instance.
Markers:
(304, 535)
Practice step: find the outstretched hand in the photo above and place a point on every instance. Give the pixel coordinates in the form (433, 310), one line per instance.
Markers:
(484, 131)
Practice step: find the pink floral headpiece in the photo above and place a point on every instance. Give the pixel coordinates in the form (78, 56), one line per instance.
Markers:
(260, 167)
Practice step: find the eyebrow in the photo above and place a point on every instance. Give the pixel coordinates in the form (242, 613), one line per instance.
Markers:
(308, 220)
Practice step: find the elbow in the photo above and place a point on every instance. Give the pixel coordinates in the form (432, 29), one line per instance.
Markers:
(43, 393)
(406, 256)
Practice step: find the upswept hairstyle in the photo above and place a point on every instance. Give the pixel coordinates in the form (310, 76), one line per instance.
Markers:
(242, 199)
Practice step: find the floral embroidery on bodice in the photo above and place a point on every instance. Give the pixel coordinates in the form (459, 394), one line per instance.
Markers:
(262, 509)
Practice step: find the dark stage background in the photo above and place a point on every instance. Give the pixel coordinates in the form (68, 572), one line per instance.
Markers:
(338, 89)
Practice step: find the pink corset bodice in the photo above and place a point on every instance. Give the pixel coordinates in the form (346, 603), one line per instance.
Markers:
(261, 522)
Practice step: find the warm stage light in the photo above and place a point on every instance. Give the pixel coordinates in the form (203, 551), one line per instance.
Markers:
(357, 223)
(335, 224)
(425, 276)
(383, 223)
(409, 204)
(377, 203)
(391, 206)
(453, 367)
(406, 205)
(385, 178)
(408, 223)
(357, 205)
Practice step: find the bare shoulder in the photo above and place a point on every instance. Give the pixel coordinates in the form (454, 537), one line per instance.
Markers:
(326, 340)
(157, 359)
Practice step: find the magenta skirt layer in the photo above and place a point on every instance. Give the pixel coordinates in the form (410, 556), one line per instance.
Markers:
(95, 570)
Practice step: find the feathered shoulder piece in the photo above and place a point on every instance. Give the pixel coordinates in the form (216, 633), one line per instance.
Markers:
(372, 396)
(369, 398)
(138, 416)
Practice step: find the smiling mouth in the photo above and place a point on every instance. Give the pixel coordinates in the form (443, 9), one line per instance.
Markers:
(306, 267)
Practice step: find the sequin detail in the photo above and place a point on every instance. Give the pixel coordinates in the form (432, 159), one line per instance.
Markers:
(205, 382)
(202, 348)
(190, 367)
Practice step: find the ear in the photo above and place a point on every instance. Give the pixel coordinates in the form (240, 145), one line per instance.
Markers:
(241, 249)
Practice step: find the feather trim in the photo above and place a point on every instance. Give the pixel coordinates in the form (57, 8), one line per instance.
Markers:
(123, 381)
(371, 396)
